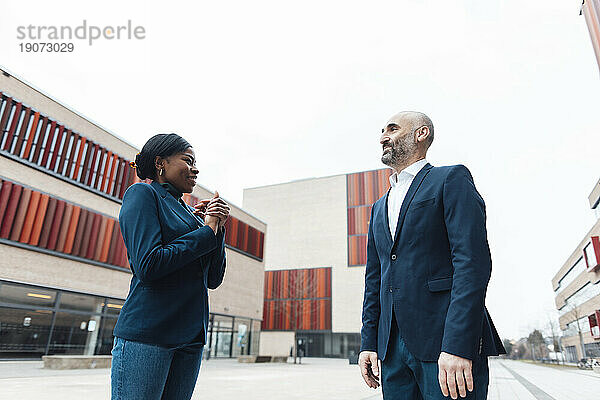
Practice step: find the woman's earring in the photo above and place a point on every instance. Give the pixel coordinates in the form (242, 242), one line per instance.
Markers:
(160, 172)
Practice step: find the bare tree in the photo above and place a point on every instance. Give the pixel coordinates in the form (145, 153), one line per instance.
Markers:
(554, 329)
(575, 312)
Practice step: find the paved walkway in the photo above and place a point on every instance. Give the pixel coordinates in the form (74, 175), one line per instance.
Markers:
(315, 379)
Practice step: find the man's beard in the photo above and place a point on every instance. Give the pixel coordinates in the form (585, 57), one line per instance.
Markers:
(399, 152)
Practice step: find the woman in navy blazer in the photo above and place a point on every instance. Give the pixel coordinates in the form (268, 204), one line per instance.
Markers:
(175, 257)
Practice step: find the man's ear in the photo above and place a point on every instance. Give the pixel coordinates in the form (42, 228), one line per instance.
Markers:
(422, 134)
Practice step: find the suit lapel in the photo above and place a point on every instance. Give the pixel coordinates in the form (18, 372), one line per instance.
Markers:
(412, 190)
(386, 218)
(176, 207)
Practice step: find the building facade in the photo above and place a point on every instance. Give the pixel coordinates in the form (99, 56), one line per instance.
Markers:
(315, 256)
(577, 293)
(591, 11)
(64, 273)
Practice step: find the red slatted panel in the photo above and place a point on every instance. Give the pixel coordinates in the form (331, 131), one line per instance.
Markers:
(56, 223)
(39, 220)
(99, 168)
(30, 217)
(4, 117)
(126, 177)
(48, 145)
(72, 152)
(118, 177)
(93, 238)
(85, 241)
(21, 135)
(110, 177)
(39, 141)
(19, 220)
(83, 218)
(363, 188)
(91, 167)
(55, 152)
(31, 135)
(64, 152)
(107, 161)
(298, 299)
(71, 230)
(77, 166)
(85, 167)
(10, 135)
(4, 197)
(64, 228)
(100, 240)
(10, 212)
(47, 225)
(357, 250)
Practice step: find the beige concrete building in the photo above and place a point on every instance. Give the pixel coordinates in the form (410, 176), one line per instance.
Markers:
(577, 293)
(315, 256)
(63, 267)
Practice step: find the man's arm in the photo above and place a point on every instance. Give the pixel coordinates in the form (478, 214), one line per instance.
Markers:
(370, 316)
(464, 213)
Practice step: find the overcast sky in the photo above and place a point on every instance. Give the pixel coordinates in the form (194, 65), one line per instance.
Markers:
(272, 91)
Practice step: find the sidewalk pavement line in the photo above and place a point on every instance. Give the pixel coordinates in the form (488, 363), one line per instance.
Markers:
(538, 393)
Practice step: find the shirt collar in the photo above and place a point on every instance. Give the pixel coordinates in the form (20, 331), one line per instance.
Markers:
(171, 189)
(407, 173)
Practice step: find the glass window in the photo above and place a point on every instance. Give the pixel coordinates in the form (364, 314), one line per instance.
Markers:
(24, 332)
(74, 334)
(255, 337)
(113, 306)
(27, 295)
(81, 302)
(105, 336)
(579, 297)
(241, 337)
(590, 255)
(222, 329)
(570, 276)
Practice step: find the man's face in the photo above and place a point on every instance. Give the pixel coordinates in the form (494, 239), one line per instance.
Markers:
(397, 141)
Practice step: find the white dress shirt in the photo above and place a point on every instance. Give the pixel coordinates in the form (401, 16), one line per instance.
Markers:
(400, 183)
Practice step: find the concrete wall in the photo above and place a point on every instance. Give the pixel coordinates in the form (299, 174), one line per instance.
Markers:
(583, 278)
(275, 343)
(307, 228)
(241, 293)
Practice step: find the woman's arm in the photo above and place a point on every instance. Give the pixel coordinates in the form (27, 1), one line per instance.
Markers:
(140, 226)
(216, 263)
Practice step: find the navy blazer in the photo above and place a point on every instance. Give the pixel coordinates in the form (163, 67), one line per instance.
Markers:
(175, 259)
(434, 275)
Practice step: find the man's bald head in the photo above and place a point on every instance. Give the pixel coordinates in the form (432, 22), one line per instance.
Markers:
(405, 139)
(415, 120)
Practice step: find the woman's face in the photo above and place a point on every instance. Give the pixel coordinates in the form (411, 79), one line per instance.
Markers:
(180, 171)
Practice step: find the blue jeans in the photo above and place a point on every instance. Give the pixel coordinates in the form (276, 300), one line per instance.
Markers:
(149, 372)
(405, 377)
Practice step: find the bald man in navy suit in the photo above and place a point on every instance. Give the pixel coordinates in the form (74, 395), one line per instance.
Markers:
(428, 267)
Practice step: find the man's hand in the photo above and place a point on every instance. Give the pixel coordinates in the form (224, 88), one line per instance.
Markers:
(369, 368)
(455, 371)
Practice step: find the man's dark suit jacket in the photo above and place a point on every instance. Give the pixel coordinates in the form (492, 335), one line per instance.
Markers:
(434, 275)
(175, 259)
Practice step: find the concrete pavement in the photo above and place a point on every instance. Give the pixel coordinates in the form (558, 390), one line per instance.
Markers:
(327, 379)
